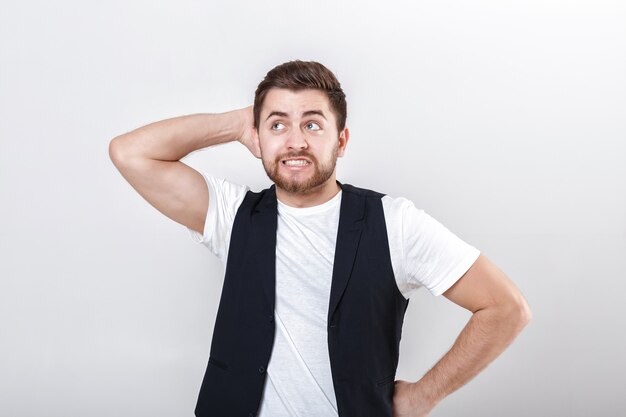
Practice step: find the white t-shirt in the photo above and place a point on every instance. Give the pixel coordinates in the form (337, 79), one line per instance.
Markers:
(299, 381)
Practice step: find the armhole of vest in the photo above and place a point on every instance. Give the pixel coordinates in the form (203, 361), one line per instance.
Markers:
(245, 202)
(382, 208)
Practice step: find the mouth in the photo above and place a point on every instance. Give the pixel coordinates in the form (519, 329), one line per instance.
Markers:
(295, 162)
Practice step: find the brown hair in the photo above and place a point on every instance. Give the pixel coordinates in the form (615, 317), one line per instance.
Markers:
(299, 75)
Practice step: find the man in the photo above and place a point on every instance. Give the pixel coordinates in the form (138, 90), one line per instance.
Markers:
(318, 273)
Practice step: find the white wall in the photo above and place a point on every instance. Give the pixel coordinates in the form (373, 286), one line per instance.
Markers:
(502, 119)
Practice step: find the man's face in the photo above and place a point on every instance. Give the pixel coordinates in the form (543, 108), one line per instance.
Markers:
(298, 139)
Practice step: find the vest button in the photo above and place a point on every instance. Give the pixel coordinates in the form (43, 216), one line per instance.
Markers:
(261, 369)
(251, 415)
(271, 318)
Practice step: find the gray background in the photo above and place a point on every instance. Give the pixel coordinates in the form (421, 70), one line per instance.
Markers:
(505, 120)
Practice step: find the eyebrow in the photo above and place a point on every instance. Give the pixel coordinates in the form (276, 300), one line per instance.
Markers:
(313, 112)
(305, 114)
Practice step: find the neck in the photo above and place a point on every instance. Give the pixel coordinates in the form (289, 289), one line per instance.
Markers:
(314, 197)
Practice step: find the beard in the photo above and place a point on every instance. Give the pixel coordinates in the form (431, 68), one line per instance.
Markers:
(293, 182)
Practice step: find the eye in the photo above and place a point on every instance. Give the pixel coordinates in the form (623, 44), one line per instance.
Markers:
(275, 126)
(313, 126)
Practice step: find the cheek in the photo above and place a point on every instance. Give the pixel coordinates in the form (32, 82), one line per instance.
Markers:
(269, 151)
(328, 150)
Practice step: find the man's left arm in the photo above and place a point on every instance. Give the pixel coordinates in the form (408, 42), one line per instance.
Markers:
(500, 312)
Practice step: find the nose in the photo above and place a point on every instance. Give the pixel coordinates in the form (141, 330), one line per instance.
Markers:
(297, 140)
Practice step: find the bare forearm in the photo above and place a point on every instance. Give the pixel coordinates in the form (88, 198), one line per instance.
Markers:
(486, 335)
(173, 139)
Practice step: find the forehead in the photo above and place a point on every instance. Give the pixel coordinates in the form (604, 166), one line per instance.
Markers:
(295, 103)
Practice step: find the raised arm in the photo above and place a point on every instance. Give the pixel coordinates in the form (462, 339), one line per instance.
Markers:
(149, 159)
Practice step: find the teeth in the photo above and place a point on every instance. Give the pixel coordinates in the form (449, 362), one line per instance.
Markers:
(296, 162)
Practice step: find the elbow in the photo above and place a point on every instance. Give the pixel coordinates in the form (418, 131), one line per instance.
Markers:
(512, 313)
(119, 151)
(523, 309)
(520, 314)
(528, 314)
(115, 151)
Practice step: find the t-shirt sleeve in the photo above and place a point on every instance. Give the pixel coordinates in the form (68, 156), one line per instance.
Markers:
(424, 252)
(224, 200)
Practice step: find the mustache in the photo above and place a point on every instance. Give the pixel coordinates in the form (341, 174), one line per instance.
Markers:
(296, 155)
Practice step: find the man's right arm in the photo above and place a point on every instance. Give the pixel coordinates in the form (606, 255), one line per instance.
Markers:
(149, 159)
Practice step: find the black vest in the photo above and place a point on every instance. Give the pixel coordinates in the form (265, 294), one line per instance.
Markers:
(365, 316)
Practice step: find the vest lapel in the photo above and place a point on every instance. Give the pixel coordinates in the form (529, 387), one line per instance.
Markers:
(348, 236)
(265, 227)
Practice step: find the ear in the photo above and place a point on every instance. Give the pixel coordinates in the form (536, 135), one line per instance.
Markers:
(344, 136)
